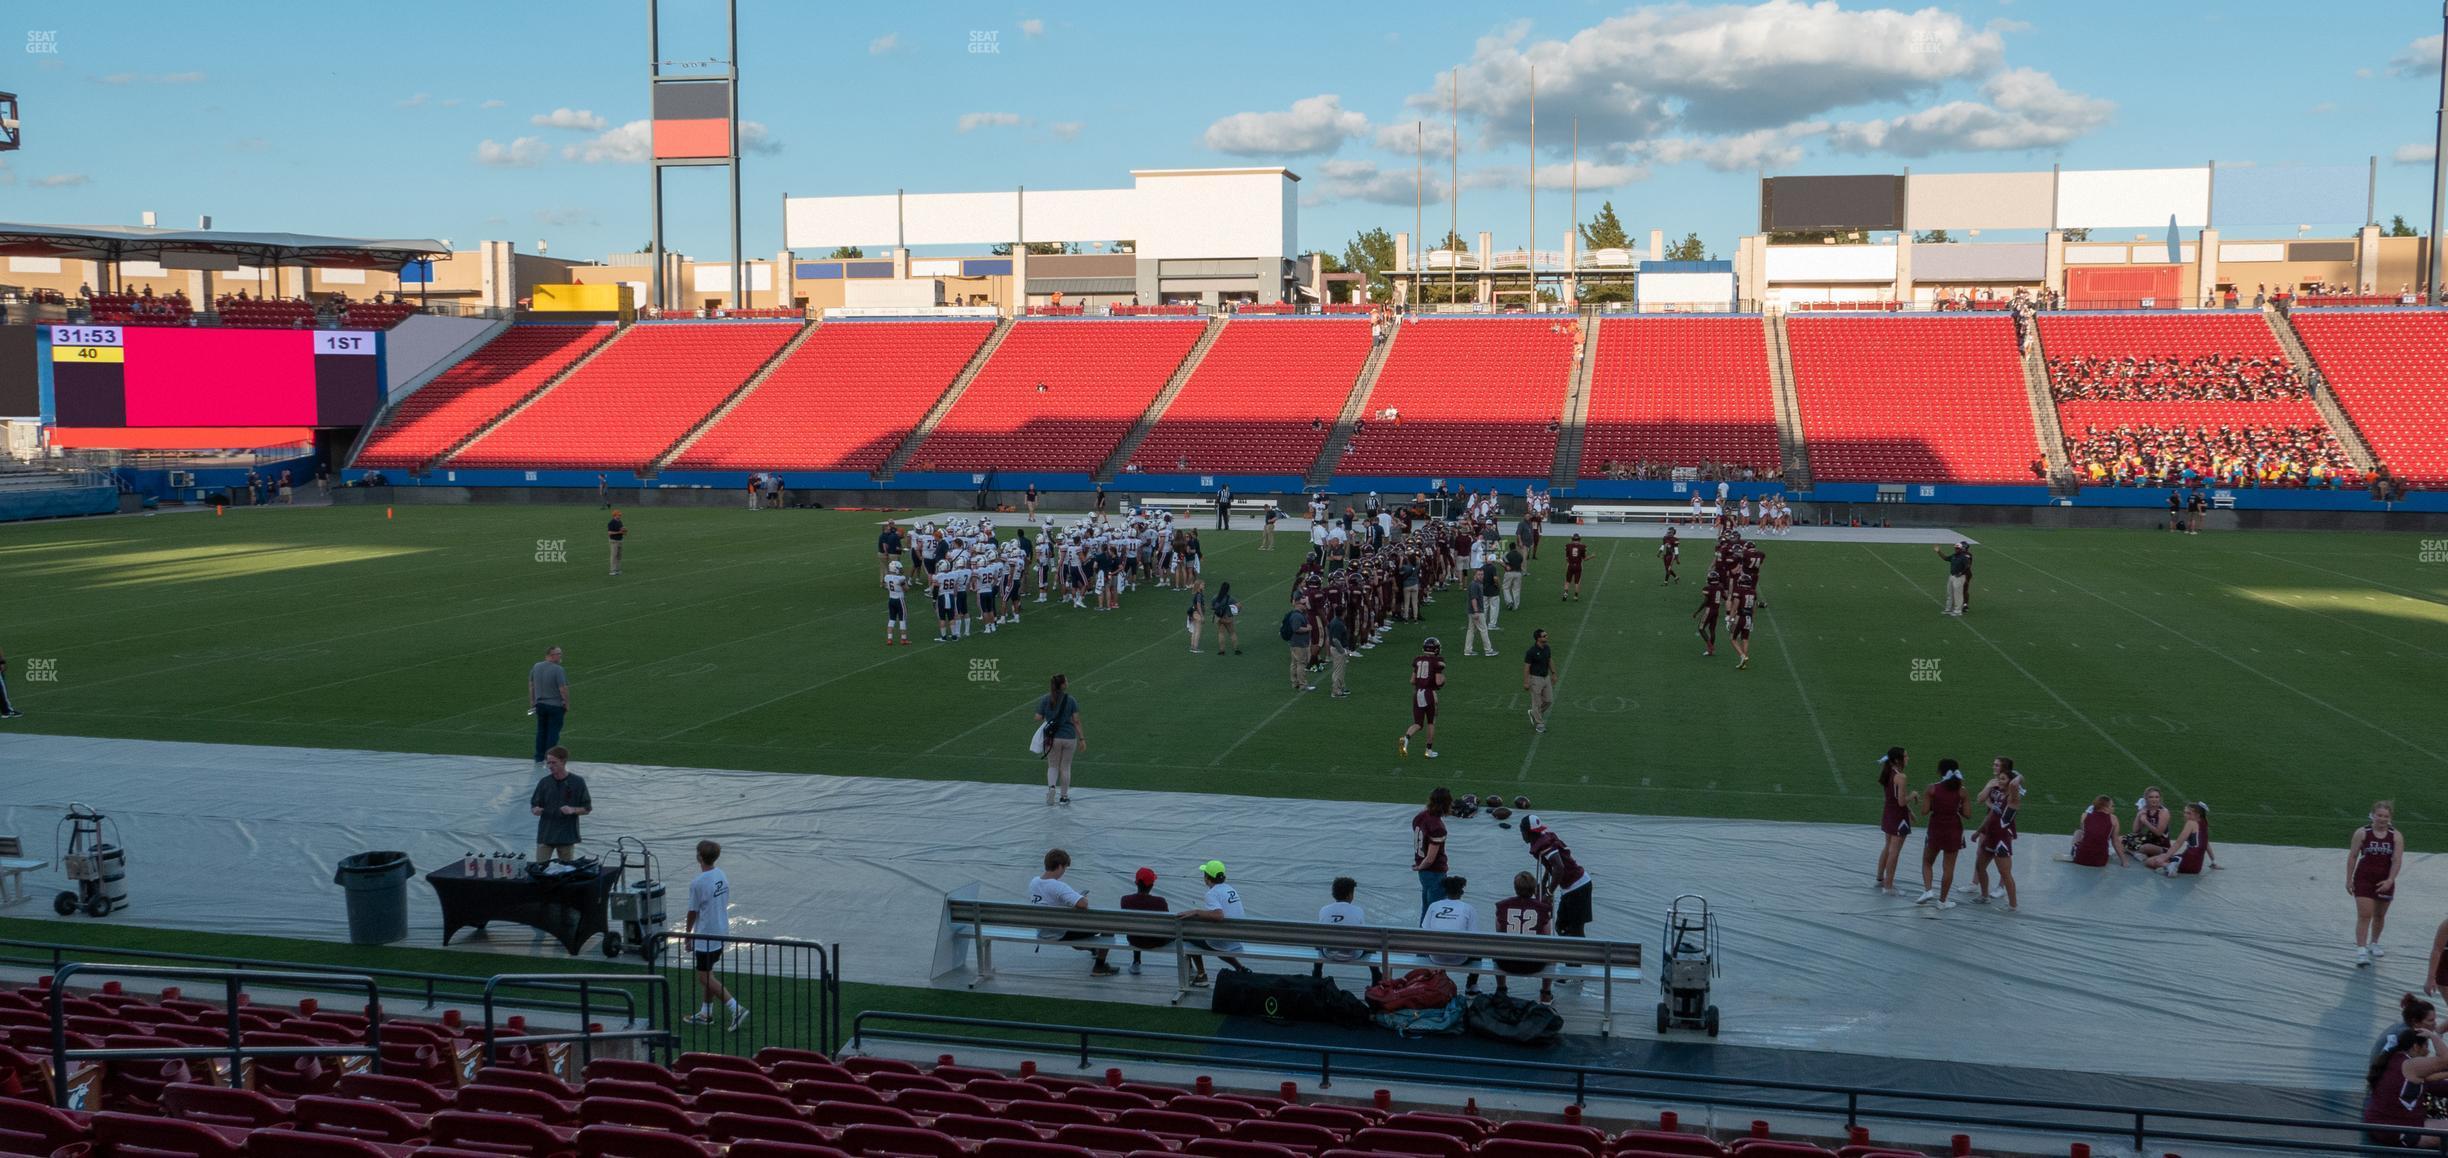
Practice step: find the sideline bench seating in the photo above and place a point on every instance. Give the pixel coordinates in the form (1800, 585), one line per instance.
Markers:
(1191, 505)
(14, 865)
(1392, 948)
(1639, 512)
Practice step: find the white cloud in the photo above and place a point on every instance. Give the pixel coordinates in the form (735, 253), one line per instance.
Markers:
(452, 102)
(581, 120)
(2412, 154)
(1032, 27)
(1594, 175)
(2419, 58)
(62, 180)
(2007, 25)
(518, 154)
(1065, 130)
(883, 44)
(971, 122)
(1312, 126)
(1722, 68)
(565, 217)
(127, 78)
(1776, 148)
(418, 101)
(1352, 180)
(494, 104)
(1432, 137)
(2026, 110)
(633, 144)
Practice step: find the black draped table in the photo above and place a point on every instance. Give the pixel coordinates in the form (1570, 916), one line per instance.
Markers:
(568, 906)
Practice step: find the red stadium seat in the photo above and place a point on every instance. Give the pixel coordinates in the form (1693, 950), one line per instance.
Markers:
(728, 1127)
(222, 1106)
(474, 392)
(1473, 398)
(1009, 1148)
(1110, 1139)
(738, 1102)
(629, 404)
(901, 1140)
(285, 1143)
(2387, 370)
(1432, 1145)
(808, 1093)
(642, 1115)
(1098, 378)
(492, 1099)
(764, 1148)
(626, 1142)
(1679, 391)
(1913, 399)
(404, 1093)
(499, 1133)
(118, 1135)
(1552, 1133)
(1297, 1135)
(1256, 402)
(980, 1128)
(33, 1128)
(1230, 1148)
(1108, 1098)
(353, 1118)
(844, 400)
(1663, 1142)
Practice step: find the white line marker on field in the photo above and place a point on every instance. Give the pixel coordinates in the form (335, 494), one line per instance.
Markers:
(1595, 590)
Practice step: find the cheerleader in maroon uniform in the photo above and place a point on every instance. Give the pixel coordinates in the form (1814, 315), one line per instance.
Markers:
(1895, 817)
(1994, 844)
(2372, 860)
(2096, 838)
(2149, 835)
(1944, 814)
(2403, 1078)
(2190, 851)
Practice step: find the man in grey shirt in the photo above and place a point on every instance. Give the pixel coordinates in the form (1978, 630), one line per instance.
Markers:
(548, 702)
(560, 798)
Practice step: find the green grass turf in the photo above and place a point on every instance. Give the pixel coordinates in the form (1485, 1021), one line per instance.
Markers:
(2285, 677)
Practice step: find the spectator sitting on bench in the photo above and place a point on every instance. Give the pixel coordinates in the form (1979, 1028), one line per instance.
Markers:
(1223, 903)
(1453, 915)
(1049, 890)
(1145, 901)
(1341, 911)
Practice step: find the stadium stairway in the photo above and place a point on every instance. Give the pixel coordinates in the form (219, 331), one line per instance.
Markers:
(2340, 423)
(952, 393)
(1792, 449)
(2044, 416)
(732, 403)
(611, 334)
(1163, 400)
(1576, 409)
(1340, 437)
(392, 398)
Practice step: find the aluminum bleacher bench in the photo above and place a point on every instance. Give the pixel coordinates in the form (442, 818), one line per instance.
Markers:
(14, 865)
(1198, 504)
(1392, 948)
(1638, 512)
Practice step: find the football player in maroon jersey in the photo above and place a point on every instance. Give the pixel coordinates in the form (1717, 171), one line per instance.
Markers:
(1427, 676)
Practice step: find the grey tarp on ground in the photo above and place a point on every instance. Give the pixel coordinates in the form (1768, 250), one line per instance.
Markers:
(2238, 976)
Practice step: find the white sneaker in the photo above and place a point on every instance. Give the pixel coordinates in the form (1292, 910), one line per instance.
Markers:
(701, 1017)
(1981, 899)
(1946, 904)
(1927, 896)
(2362, 957)
(2377, 951)
(739, 1017)
(1998, 892)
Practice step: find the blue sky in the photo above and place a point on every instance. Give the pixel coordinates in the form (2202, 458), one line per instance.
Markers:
(512, 118)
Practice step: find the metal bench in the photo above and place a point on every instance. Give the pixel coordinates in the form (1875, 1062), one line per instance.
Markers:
(968, 921)
(14, 865)
(1640, 512)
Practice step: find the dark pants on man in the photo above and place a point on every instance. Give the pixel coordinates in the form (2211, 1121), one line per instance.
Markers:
(548, 727)
(1223, 514)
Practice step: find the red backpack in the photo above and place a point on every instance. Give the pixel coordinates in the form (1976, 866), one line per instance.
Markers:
(1418, 989)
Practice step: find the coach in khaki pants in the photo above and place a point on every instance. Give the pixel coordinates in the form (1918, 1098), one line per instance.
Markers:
(1538, 678)
(1338, 651)
(1959, 575)
(616, 531)
(1296, 639)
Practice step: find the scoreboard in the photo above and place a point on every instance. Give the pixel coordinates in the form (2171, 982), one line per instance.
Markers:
(196, 377)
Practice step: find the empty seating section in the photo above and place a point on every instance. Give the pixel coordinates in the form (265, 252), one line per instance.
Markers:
(634, 400)
(1262, 400)
(265, 313)
(782, 1102)
(1466, 396)
(1680, 392)
(1906, 399)
(463, 398)
(843, 400)
(2390, 373)
(376, 315)
(1057, 395)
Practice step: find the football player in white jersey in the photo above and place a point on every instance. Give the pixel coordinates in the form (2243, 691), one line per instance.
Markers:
(896, 613)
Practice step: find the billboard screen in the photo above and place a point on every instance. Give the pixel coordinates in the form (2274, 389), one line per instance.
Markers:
(176, 376)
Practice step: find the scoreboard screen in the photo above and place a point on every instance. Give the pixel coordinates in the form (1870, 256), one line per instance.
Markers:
(189, 377)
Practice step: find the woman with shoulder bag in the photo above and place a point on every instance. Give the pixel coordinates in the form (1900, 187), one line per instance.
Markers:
(1058, 714)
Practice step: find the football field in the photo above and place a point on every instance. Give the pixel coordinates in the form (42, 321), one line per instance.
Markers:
(2290, 679)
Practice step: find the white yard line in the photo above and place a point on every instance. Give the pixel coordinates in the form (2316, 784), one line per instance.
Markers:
(1570, 651)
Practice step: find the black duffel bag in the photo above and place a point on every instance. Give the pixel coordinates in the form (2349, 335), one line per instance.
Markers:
(1286, 997)
(1509, 1018)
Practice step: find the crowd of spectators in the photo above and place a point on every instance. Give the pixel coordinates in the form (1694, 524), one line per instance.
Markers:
(2139, 454)
(2209, 377)
(1708, 470)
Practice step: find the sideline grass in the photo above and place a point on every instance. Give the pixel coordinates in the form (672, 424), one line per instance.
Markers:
(2287, 677)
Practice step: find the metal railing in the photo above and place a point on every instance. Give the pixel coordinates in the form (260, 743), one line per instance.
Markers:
(588, 985)
(2144, 1125)
(431, 988)
(776, 978)
(237, 1051)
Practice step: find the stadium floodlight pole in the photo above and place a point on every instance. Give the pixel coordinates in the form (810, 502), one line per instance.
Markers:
(2439, 163)
(739, 260)
(1419, 203)
(1533, 186)
(1453, 198)
(654, 172)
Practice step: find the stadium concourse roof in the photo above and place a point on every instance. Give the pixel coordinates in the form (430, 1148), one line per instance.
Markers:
(195, 248)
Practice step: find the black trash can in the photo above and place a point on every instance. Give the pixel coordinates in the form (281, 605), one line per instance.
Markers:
(377, 885)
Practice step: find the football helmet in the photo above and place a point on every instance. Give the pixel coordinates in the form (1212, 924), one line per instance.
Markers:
(1432, 646)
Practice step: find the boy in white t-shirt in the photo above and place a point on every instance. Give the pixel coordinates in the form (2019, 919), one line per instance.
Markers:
(709, 913)
(1453, 915)
(1049, 889)
(1223, 903)
(1341, 911)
